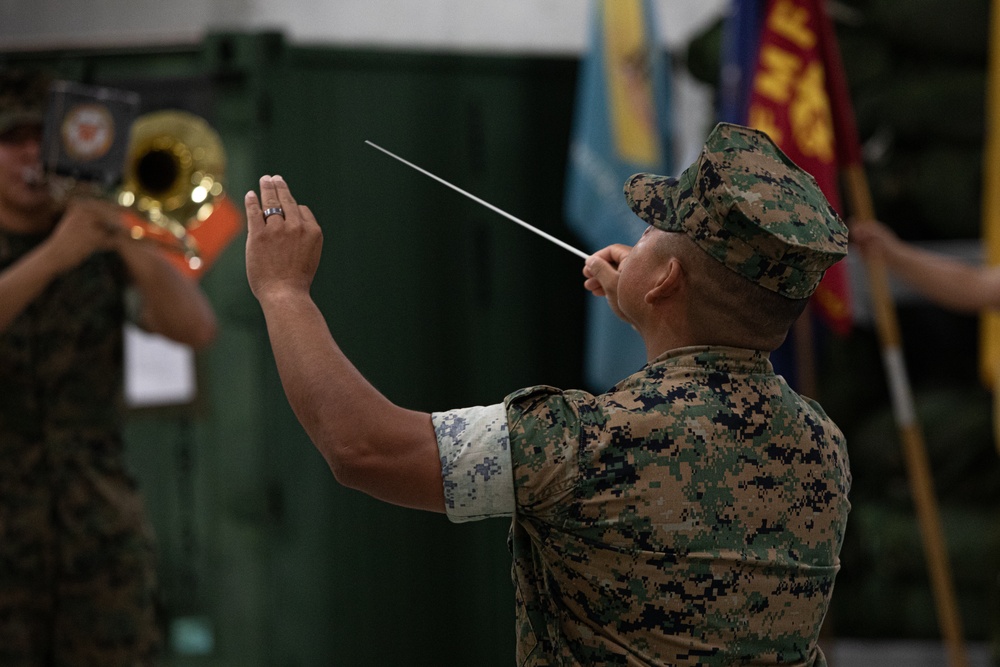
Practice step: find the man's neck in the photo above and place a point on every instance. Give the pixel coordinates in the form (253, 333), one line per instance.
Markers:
(665, 339)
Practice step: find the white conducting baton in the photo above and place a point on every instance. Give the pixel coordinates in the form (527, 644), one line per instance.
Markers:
(476, 199)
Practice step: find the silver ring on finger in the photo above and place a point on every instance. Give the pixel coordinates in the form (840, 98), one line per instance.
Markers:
(277, 210)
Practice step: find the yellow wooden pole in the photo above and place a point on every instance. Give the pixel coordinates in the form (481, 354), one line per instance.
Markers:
(914, 451)
(989, 330)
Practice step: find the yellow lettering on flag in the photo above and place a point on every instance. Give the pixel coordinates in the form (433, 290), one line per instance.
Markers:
(630, 91)
(763, 119)
(792, 22)
(789, 101)
(778, 70)
(810, 116)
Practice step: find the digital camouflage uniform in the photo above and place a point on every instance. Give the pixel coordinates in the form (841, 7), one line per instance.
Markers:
(694, 514)
(76, 559)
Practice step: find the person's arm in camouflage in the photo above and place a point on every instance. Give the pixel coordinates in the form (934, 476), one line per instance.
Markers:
(948, 282)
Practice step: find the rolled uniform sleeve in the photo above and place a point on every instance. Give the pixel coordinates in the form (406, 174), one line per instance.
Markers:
(475, 462)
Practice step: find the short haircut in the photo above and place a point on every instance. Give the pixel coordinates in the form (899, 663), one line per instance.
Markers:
(727, 308)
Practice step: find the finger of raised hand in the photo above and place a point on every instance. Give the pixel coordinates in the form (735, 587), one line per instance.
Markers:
(307, 215)
(269, 199)
(255, 215)
(284, 195)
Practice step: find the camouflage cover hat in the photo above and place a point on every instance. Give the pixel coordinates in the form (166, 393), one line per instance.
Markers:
(23, 96)
(750, 207)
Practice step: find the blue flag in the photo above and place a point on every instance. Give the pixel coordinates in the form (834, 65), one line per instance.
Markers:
(621, 126)
(740, 41)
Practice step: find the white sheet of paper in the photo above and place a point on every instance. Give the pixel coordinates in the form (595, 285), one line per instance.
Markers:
(158, 371)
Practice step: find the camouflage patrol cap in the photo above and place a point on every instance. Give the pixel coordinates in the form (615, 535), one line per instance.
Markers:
(750, 207)
(23, 96)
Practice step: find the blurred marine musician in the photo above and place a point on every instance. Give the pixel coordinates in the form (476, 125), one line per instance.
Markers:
(77, 578)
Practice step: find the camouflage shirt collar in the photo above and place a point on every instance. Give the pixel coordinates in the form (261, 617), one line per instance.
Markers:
(712, 357)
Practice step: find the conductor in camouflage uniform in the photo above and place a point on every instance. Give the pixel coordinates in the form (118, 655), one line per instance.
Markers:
(77, 578)
(693, 514)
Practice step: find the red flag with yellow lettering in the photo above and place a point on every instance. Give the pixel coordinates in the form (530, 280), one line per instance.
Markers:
(798, 97)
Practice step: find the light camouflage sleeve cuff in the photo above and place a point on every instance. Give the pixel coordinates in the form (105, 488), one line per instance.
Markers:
(475, 462)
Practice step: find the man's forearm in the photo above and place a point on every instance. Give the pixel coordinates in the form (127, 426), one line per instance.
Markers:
(946, 281)
(172, 304)
(370, 443)
(329, 396)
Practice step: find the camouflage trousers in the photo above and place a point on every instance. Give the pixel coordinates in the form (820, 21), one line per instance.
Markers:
(77, 566)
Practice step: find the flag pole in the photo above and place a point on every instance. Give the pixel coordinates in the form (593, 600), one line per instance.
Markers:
(911, 436)
(914, 450)
(989, 327)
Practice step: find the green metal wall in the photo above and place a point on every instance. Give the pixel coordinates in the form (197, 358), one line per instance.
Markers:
(440, 303)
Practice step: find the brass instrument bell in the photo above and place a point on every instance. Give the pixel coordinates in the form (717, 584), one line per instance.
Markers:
(173, 172)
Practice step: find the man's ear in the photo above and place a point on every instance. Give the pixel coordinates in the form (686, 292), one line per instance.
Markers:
(669, 280)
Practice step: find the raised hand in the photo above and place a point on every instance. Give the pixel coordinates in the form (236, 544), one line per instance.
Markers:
(283, 249)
